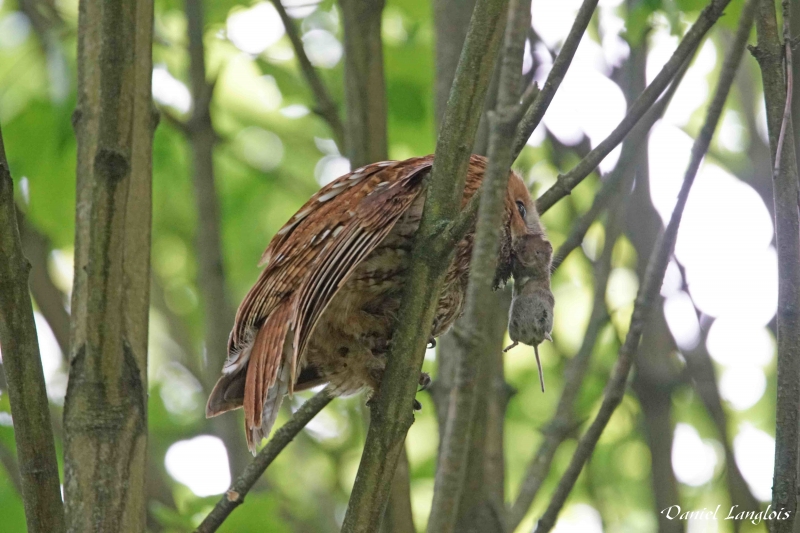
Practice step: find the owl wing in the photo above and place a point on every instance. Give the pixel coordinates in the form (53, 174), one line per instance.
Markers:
(307, 262)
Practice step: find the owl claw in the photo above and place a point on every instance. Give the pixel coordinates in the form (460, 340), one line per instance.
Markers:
(424, 381)
(417, 405)
(548, 337)
(507, 348)
(431, 343)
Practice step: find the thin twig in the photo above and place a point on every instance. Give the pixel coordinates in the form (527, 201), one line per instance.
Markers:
(687, 47)
(33, 433)
(236, 494)
(326, 108)
(535, 113)
(653, 277)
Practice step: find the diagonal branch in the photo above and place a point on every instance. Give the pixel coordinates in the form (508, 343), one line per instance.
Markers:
(686, 49)
(22, 364)
(634, 143)
(535, 113)
(234, 497)
(326, 108)
(653, 277)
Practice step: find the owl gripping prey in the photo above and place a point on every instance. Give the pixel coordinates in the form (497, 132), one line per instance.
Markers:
(325, 306)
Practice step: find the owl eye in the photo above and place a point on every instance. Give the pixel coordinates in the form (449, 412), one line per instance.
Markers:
(521, 209)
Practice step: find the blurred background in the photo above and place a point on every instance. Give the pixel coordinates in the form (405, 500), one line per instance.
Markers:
(695, 435)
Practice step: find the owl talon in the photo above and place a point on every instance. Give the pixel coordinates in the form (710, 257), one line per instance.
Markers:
(417, 405)
(424, 381)
(507, 348)
(548, 337)
(431, 343)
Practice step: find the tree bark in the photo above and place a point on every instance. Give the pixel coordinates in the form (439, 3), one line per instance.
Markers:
(471, 335)
(390, 413)
(365, 88)
(33, 433)
(770, 55)
(479, 509)
(217, 311)
(105, 412)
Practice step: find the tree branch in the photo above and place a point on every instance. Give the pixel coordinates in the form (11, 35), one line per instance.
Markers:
(105, 411)
(48, 297)
(503, 122)
(365, 88)
(649, 290)
(236, 494)
(632, 146)
(687, 47)
(217, 311)
(534, 113)
(9, 462)
(326, 108)
(431, 254)
(770, 56)
(22, 364)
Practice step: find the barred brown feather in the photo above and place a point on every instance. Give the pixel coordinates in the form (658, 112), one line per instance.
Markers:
(324, 307)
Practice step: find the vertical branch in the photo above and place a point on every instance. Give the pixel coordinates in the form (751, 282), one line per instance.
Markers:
(105, 412)
(770, 56)
(390, 415)
(503, 121)
(22, 364)
(481, 504)
(365, 88)
(217, 311)
(654, 274)
(451, 19)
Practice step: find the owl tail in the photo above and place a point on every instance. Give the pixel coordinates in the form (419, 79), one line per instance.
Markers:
(270, 408)
(269, 374)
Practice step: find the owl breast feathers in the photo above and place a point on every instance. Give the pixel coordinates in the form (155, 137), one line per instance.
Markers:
(324, 308)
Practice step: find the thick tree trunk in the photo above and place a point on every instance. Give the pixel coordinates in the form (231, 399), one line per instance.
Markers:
(105, 413)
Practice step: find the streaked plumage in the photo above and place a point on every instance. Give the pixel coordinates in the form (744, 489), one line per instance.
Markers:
(324, 308)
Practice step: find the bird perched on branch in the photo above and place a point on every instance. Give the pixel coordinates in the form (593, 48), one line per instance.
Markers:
(325, 306)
